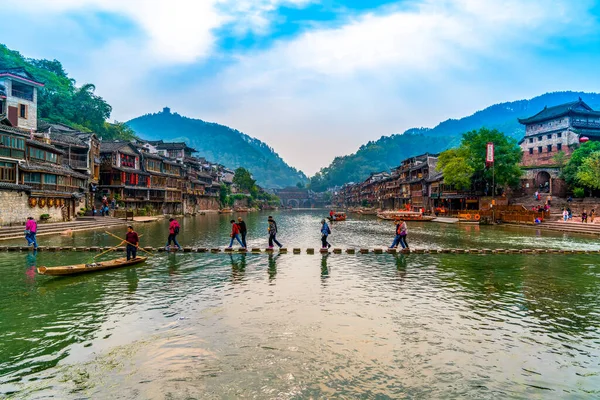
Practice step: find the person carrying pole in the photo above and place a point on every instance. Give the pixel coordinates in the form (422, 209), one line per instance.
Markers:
(133, 242)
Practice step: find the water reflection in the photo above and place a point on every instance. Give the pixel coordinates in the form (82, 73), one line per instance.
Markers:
(238, 267)
(324, 268)
(31, 263)
(272, 270)
(400, 265)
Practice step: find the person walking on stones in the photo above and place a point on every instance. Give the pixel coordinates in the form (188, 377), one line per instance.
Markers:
(132, 240)
(30, 232)
(401, 233)
(173, 232)
(235, 235)
(325, 232)
(592, 215)
(584, 217)
(272, 229)
(243, 230)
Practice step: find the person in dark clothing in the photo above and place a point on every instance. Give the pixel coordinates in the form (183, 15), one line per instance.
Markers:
(243, 230)
(235, 235)
(273, 233)
(325, 232)
(133, 242)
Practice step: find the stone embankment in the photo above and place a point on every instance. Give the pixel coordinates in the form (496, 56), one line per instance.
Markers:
(216, 250)
(44, 229)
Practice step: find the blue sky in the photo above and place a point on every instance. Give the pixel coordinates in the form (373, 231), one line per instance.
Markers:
(313, 78)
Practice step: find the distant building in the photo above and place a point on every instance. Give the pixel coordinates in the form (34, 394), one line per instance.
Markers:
(552, 130)
(18, 98)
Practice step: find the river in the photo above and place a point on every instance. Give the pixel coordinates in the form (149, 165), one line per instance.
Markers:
(188, 325)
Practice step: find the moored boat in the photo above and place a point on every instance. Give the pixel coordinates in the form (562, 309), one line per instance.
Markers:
(404, 215)
(97, 266)
(225, 211)
(337, 216)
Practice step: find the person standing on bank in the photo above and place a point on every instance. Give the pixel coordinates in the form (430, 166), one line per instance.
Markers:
(235, 235)
(133, 243)
(272, 229)
(30, 232)
(173, 232)
(243, 230)
(325, 232)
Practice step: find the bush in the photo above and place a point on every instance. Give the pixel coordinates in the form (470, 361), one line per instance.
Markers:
(45, 217)
(579, 192)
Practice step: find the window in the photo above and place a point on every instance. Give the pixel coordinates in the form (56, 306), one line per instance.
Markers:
(539, 149)
(539, 138)
(7, 172)
(549, 136)
(531, 150)
(32, 177)
(42, 155)
(530, 140)
(11, 146)
(50, 179)
(559, 147)
(549, 148)
(23, 111)
(559, 135)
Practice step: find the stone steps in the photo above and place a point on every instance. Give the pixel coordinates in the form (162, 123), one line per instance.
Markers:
(53, 228)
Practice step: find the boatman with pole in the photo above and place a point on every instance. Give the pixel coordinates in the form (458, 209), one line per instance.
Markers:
(133, 242)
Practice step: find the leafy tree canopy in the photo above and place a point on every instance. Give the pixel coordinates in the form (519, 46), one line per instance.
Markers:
(588, 174)
(243, 179)
(577, 159)
(465, 166)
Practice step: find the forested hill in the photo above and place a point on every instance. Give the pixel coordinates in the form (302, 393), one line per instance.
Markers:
(220, 144)
(61, 100)
(389, 151)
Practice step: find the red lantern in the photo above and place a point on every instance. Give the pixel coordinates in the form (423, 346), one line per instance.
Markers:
(584, 139)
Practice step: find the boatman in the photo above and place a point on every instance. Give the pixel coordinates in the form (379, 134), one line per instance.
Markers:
(133, 242)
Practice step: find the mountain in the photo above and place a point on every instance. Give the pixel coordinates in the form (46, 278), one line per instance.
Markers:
(221, 144)
(389, 151)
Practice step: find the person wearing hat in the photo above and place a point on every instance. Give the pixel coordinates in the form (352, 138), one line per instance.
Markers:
(325, 232)
(30, 232)
(133, 242)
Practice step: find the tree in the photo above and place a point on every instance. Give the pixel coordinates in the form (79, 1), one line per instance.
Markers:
(465, 166)
(243, 180)
(588, 174)
(300, 185)
(224, 195)
(560, 159)
(577, 159)
(455, 165)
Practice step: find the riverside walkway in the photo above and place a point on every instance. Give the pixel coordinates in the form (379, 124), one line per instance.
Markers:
(297, 251)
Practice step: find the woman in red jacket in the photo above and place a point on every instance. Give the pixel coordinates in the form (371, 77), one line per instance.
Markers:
(235, 234)
(173, 232)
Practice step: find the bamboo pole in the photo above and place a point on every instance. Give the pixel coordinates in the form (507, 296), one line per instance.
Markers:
(125, 241)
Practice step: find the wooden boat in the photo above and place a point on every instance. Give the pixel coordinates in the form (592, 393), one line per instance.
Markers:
(338, 216)
(405, 215)
(225, 211)
(368, 211)
(98, 266)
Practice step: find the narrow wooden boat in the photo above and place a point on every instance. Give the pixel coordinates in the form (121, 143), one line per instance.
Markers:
(82, 268)
(225, 211)
(405, 215)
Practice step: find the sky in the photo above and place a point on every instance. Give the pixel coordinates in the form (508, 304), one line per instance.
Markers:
(314, 79)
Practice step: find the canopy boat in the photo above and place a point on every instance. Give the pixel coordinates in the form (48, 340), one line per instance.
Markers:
(404, 215)
(337, 216)
(97, 266)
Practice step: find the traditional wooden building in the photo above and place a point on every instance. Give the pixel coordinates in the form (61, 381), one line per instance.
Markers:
(18, 98)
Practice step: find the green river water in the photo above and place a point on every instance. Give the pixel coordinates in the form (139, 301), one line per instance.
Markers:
(220, 326)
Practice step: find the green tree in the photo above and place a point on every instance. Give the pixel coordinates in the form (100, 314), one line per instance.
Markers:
(560, 159)
(225, 195)
(300, 185)
(576, 161)
(588, 174)
(454, 163)
(243, 179)
(465, 166)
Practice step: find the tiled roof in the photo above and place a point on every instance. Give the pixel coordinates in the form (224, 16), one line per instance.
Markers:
(174, 146)
(130, 170)
(111, 147)
(14, 186)
(12, 129)
(51, 168)
(43, 145)
(21, 73)
(67, 139)
(575, 107)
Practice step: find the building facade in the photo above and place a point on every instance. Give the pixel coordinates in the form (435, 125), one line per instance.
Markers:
(552, 131)
(18, 98)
